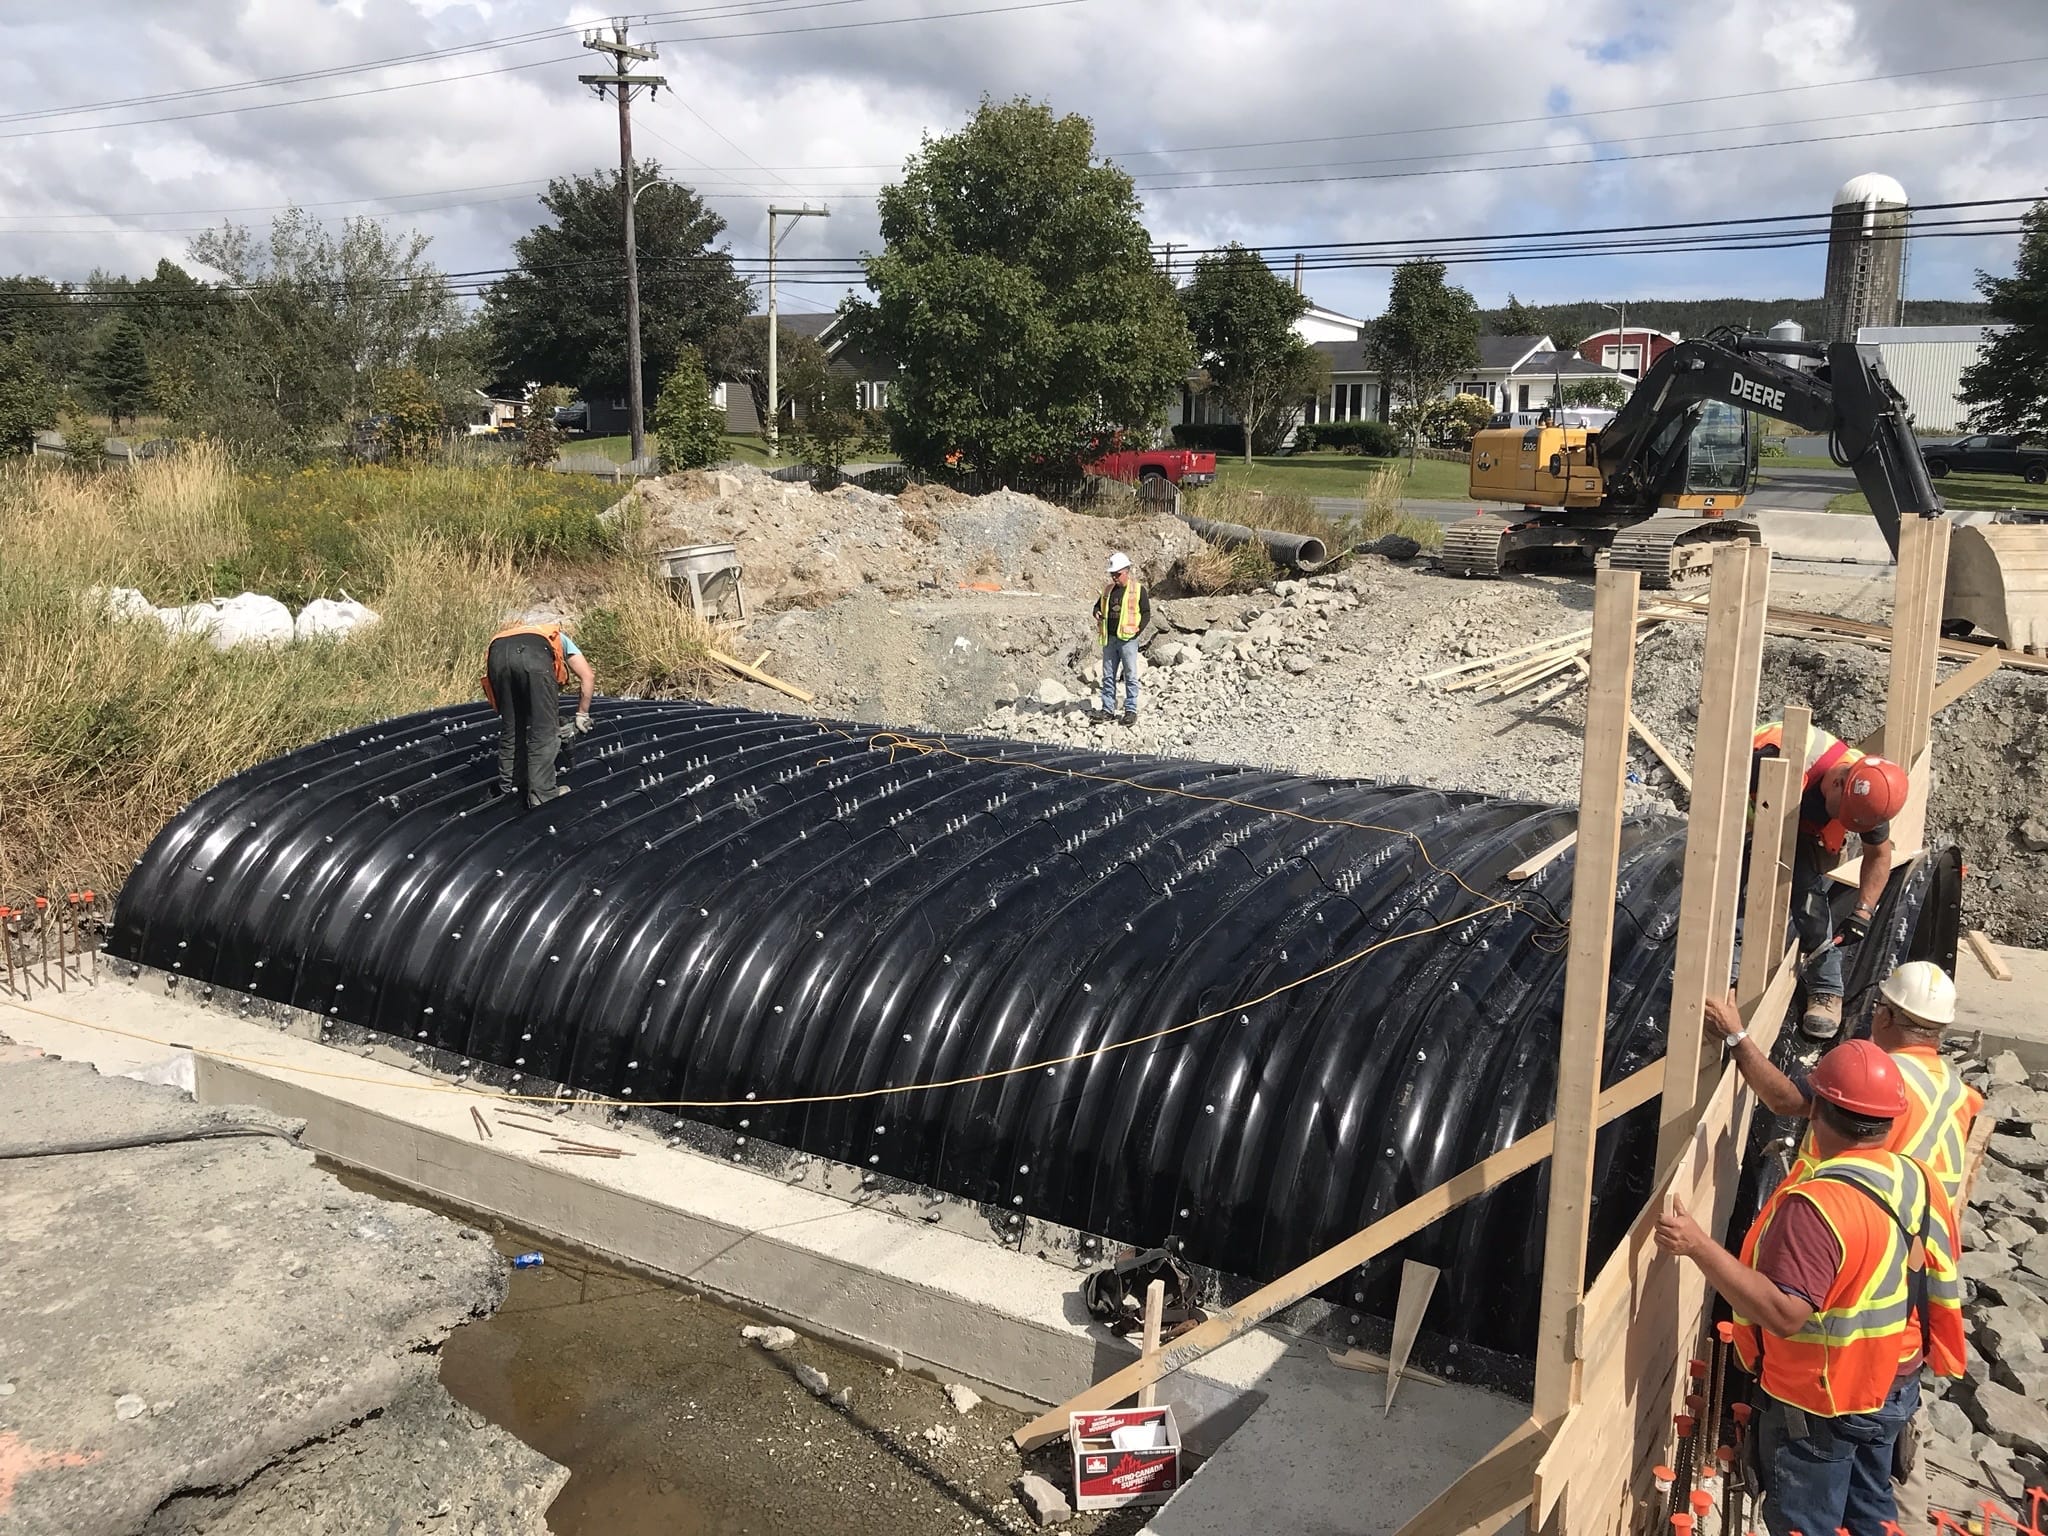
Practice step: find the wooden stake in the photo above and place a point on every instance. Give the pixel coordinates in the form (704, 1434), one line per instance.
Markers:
(1305, 1280)
(1418, 1284)
(753, 674)
(1155, 1312)
(1582, 1037)
(1664, 754)
(1988, 957)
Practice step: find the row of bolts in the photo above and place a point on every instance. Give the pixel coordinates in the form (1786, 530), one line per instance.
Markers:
(51, 923)
(1702, 1463)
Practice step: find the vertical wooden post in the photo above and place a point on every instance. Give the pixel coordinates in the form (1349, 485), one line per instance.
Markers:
(1582, 1037)
(1916, 645)
(1155, 1312)
(1797, 733)
(1736, 608)
(1763, 944)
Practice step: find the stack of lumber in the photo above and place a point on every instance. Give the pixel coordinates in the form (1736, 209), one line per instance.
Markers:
(1559, 661)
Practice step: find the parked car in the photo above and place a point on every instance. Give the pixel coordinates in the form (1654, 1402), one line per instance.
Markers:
(1182, 466)
(1989, 453)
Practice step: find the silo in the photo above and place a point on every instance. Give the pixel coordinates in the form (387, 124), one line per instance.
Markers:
(1866, 257)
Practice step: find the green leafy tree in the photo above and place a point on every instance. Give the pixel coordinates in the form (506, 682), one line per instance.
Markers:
(1427, 337)
(85, 446)
(1610, 394)
(740, 356)
(117, 375)
(28, 400)
(830, 430)
(1241, 317)
(2007, 387)
(562, 313)
(687, 421)
(412, 419)
(540, 440)
(1516, 319)
(1017, 295)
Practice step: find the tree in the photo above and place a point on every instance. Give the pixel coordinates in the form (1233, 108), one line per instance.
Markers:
(829, 430)
(740, 356)
(540, 440)
(1608, 393)
(28, 400)
(1428, 335)
(561, 315)
(1241, 317)
(2007, 387)
(117, 376)
(412, 419)
(687, 422)
(1517, 319)
(1017, 295)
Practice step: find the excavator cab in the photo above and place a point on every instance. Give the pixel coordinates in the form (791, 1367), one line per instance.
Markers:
(1720, 460)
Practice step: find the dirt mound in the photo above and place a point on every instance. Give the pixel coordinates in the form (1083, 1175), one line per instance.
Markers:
(801, 548)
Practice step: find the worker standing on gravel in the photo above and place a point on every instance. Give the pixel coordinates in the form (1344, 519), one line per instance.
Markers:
(1846, 1284)
(1121, 614)
(525, 671)
(1843, 791)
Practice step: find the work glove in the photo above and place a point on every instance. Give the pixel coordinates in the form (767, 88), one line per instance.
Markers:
(583, 725)
(1853, 929)
(566, 735)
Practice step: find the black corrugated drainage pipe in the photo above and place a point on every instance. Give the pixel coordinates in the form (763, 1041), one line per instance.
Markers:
(1302, 551)
(739, 907)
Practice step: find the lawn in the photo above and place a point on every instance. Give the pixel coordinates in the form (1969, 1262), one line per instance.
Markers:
(747, 448)
(1963, 492)
(1340, 474)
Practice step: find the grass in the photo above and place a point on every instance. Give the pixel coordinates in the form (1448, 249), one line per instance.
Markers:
(108, 728)
(745, 447)
(1342, 474)
(1968, 492)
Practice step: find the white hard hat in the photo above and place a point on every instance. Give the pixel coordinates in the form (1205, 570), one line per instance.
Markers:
(1921, 990)
(1119, 562)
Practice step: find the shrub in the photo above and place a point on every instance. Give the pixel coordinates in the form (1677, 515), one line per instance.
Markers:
(1374, 439)
(687, 421)
(1209, 437)
(540, 442)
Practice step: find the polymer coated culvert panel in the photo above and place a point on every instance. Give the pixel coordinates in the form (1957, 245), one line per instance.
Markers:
(740, 907)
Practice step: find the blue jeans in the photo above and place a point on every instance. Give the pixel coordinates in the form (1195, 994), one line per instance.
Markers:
(1838, 1476)
(1815, 924)
(1120, 656)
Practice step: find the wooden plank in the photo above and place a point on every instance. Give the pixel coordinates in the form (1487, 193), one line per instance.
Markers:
(1542, 857)
(766, 680)
(1916, 636)
(1953, 687)
(1760, 942)
(1987, 956)
(1582, 1035)
(1973, 1155)
(1155, 1312)
(1306, 1279)
(1481, 663)
(1664, 754)
(1366, 1360)
(1741, 735)
(1500, 1486)
(1418, 1284)
(1797, 734)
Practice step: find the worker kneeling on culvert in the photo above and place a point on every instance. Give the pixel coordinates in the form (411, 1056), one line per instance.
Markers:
(1847, 1283)
(525, 671)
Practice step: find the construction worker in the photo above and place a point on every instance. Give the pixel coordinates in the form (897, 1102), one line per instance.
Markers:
(525, 671)
(1846, 1284)
(1842, 791)
(1121, 614)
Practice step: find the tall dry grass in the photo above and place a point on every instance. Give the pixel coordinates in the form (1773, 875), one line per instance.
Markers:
(108, 728)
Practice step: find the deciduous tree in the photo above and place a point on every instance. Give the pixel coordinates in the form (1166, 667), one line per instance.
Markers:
(2007, 387)
(1242, 319)
(686, 421)
(740, 356)
(28, 400)
(1017, 294)
(1608, 393)
(1427, 337)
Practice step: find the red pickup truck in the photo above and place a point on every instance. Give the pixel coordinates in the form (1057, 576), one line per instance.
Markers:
(1182, 466)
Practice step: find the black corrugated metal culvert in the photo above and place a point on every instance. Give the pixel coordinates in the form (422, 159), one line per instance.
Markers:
(734, 908)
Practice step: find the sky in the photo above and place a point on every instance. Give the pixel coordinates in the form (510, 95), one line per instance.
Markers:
(1281, 126)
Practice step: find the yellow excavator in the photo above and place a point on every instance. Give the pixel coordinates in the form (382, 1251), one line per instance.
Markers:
(1659, 486)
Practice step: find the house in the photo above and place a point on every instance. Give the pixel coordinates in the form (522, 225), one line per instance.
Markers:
(1926, 364)
(494, 412)
(1631, 351)
(871, 375)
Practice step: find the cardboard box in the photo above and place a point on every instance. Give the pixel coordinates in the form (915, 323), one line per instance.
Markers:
(1124, 1456)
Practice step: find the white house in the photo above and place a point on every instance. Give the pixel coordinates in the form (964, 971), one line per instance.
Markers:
(1926, 362)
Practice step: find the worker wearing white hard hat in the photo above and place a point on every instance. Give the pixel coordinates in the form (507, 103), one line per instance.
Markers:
(1121, 614)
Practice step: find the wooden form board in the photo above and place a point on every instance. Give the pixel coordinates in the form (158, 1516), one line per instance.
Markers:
(1582, 1033)
(1916, 636)
(1737, 604)
(1987, 954)
(1543, 857)
(1776, 801)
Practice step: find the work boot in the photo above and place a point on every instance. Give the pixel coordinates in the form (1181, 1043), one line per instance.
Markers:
(1823, 1017)
(535, 802)
(1131, 721)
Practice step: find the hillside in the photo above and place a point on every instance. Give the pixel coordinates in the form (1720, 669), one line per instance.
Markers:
(1567, 323)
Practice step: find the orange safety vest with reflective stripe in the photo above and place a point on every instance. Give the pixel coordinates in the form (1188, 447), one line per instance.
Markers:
(1935, 1129)
(1822, 753)
(1127, 613)
(1846, 1357)
(552, 633)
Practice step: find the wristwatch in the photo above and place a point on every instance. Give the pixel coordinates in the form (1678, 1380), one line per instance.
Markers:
(1729, 1042)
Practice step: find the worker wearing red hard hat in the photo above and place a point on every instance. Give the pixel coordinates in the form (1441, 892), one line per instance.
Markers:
(1843, 791)
(1845, 1286)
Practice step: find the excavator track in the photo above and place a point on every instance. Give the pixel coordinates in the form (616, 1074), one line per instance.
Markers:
(1675, 549)
(1476, 546)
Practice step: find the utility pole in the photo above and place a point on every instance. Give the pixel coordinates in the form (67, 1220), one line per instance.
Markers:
(774, 422)
(623, 83)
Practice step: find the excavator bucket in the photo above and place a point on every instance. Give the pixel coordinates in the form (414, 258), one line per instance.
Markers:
(1998, 580)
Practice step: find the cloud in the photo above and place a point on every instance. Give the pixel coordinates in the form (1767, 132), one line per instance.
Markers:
(1428, 120)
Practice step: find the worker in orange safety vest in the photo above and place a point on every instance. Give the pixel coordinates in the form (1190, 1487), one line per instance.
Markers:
(1845, 1286)
(525, 671)
(1842, 791)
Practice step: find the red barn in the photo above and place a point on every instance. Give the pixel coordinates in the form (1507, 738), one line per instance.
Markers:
(1629, 351)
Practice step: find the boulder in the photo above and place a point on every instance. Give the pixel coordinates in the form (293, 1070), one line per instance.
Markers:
(2012, 1305)
(2003, 1335)
(2034, 835)
(1985, 1264)
(1296, 663)
(2015, 1104)
(1949, 1422)
(2007, 1070)
(2011, 1419)
(2033, 1257)
(1053, 694)
(2023, 1152)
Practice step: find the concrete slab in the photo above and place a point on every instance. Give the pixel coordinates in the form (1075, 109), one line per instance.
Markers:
(182, 1314)
(2006, 1015)
(1825, 536)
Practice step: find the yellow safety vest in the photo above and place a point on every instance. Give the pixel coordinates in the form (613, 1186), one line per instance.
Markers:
(1127, 613)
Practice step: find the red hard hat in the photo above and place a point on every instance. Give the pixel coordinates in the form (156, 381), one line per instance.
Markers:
(1861, 1078)
(1873, 792)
